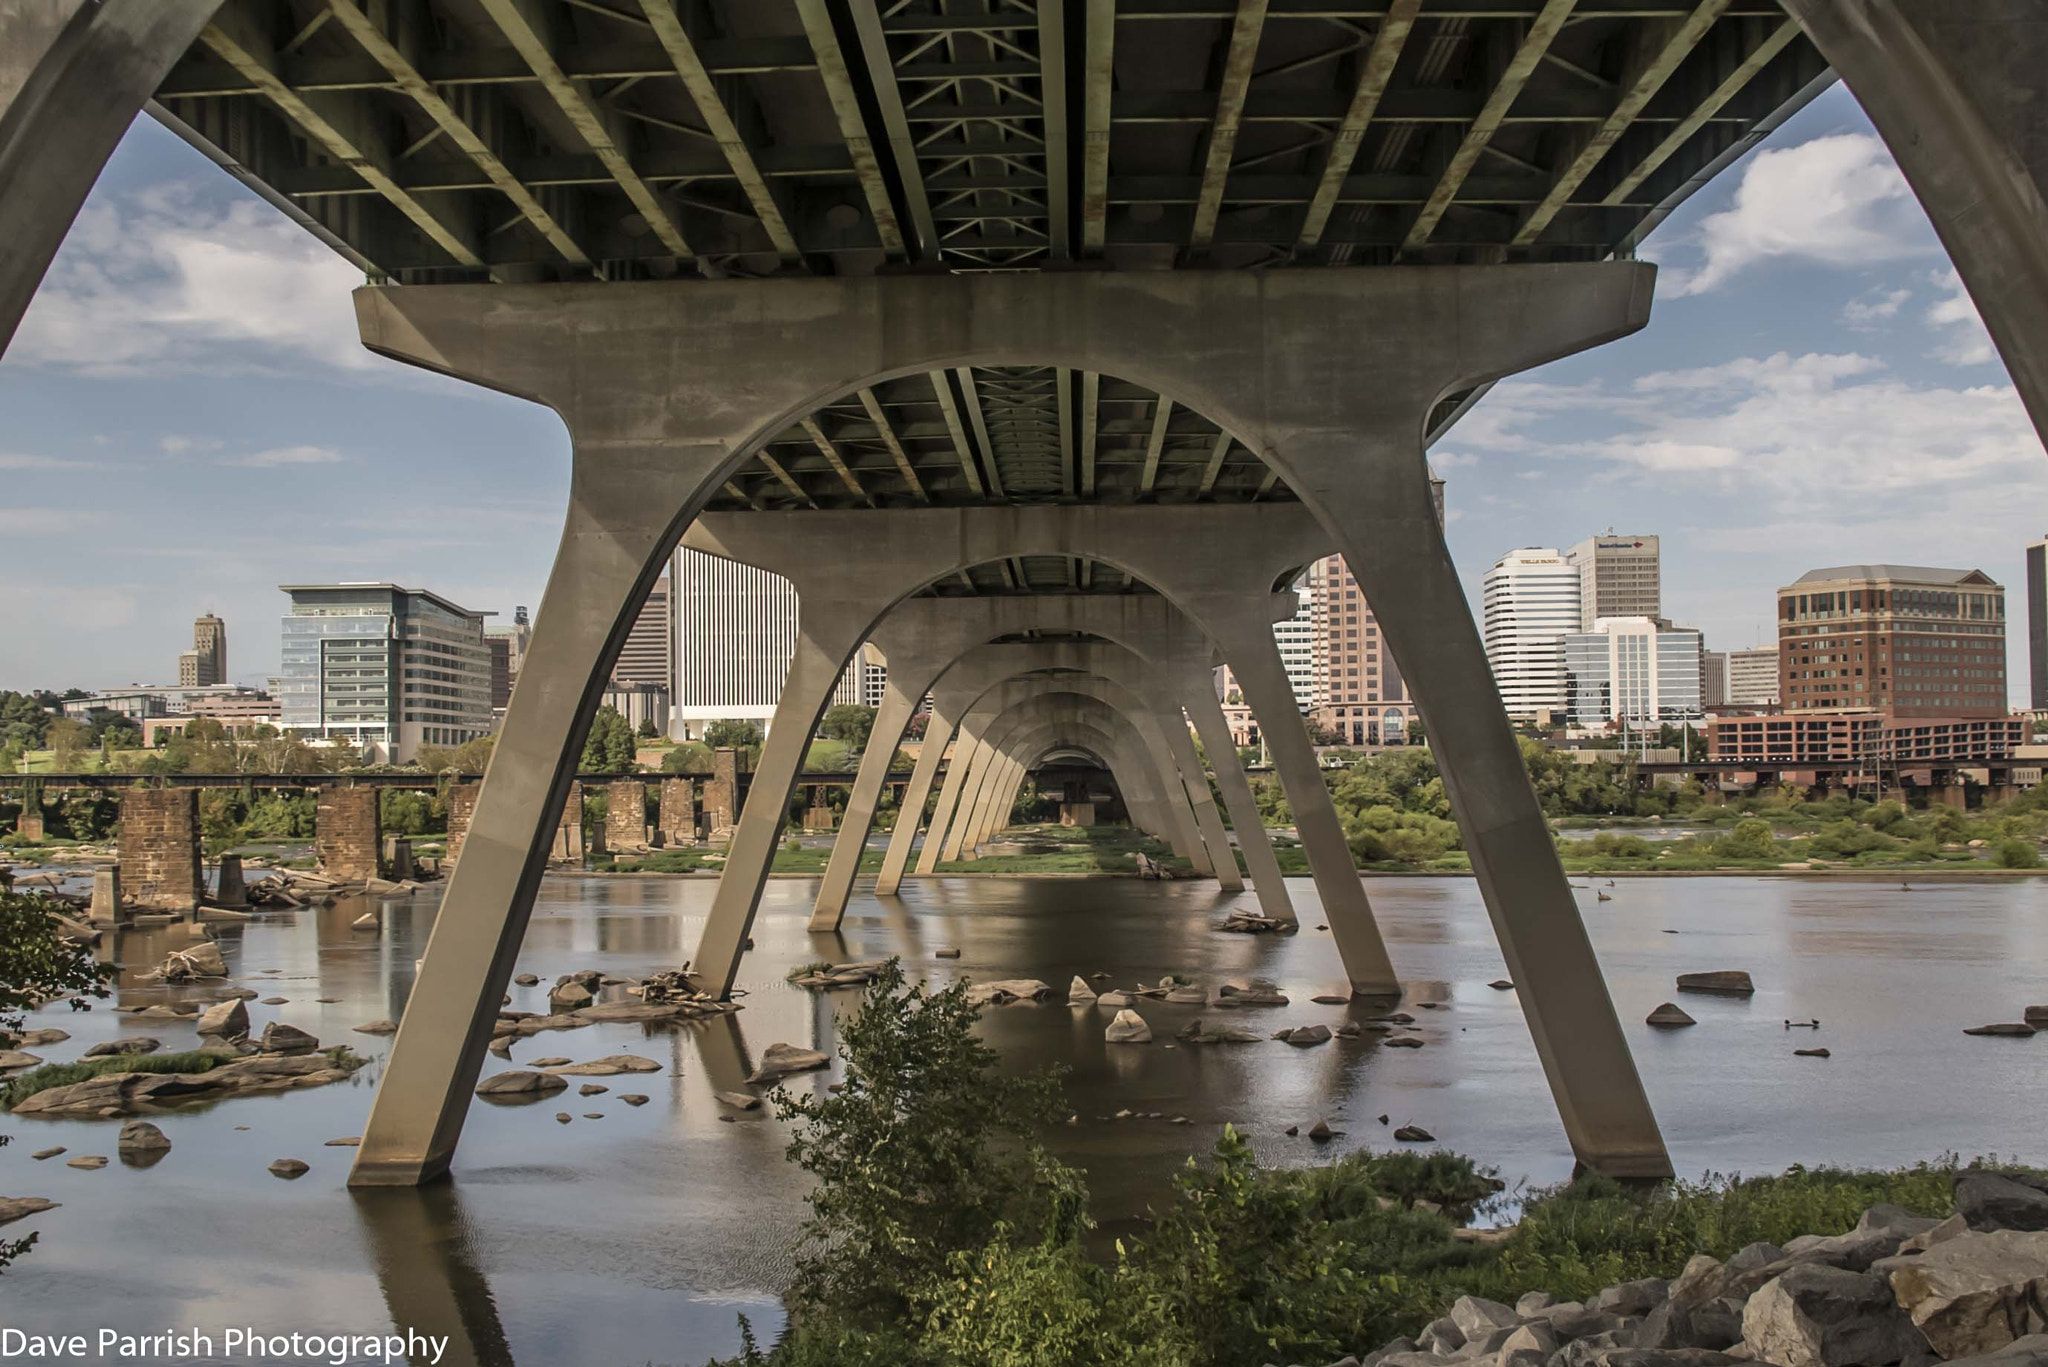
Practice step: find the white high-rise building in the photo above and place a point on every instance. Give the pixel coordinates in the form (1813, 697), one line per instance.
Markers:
(1619, 576)
(1753, 677)
(864, 680)
(1629, 669)
(1531, 604)
(736, 629)
(1296, 638)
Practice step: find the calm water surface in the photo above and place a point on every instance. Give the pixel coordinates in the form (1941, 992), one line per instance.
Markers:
(641, 1237)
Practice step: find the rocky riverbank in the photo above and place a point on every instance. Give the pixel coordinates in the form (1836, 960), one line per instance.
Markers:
(1969, 1290)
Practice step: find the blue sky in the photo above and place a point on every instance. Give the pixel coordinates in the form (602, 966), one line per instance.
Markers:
(190, 422)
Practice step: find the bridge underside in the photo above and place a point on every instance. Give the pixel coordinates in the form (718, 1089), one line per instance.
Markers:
(949, 301)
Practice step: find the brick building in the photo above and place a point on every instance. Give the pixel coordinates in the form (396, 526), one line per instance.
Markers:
(1902, 640)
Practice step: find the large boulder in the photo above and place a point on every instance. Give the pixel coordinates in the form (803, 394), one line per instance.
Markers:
(610, 1065)
(1675, 1323)
(519, 1084)
(1476, 1317)
(1529, 1345)
(780, 1060)
(1006, 990)
(1128, 1027)
(571, 996)
(139, 1136)
(11, 1059)
(1996, 1200)
(1080, 992)
(2031, 1351)
(1669, 1017)
(1813, 1315)
(279, 1038)
(1637, 1298)
(132, 1045)
(228, 1019)
(202, 960)
(1975, 1294)
(1726, 982)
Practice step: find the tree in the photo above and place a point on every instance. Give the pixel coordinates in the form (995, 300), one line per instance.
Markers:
(66, 737)
(691, 757)
(23, 721)
(648, 730)
(732, 735)
(609, 747)
(850, 723)
(38, 965)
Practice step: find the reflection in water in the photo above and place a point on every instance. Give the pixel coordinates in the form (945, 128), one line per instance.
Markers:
(433, 1286)
(660, 1224)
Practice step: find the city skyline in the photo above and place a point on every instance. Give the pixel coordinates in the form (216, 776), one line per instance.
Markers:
(1818, 393)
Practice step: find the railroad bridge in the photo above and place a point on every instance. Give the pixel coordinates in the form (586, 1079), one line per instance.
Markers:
(1084, 323)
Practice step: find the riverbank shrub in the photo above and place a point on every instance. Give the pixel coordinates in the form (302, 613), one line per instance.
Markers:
(944, 1235)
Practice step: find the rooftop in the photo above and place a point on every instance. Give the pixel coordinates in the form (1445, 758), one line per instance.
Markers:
(1909, 574)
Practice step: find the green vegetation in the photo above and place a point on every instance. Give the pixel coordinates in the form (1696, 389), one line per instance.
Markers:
(849, 723)
(608, 749)
(944, 1235)
(38, 965)
(25, 1085)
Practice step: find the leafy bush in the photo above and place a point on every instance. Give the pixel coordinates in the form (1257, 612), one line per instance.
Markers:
(2018, 854)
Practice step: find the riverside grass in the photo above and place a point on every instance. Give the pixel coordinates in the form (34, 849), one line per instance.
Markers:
(25, 1085)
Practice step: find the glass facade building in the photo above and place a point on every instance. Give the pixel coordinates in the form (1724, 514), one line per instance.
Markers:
(384, 669)
(1628, 670)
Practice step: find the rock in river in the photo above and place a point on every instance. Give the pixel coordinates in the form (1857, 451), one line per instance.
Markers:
(1303, 1036)
(2018, 1028)
(383, 1027)
(228, 1019)
(1080, 992)
(279, 1038)
(1128, 1027)
(14, 1208)
(1727, 982)
(1006, 990)
(289, 1168)
(133, 1045)
(780, 1060)
(1414, 1134)
(139, 1136)
(519, 1084)
(1669, 1016)
(609, 1065)
(14, 1058)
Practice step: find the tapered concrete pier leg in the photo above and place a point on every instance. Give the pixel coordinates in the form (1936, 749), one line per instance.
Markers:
(614, 544)
(967, 814)
(1252, 836)
(1223, 862)
(938, 730)
(1256, 661)
(813, 673)
(1955, 90)
(946, 816)
(898, 702)
(73, 76)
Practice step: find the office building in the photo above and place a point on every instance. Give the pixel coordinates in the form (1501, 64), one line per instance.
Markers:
(383, 669)
(1357, 689)
(1619, 576)
(863, 680)
(1633, 671)
(741, 624)
(507, 646)
(639, 703)
(1295, 637)
(649, 655)
(1531, 605)
(1753, 677)
(1901, 640)
(1868, 737)
(205, 665)
(2037, 625)
(1713, 679)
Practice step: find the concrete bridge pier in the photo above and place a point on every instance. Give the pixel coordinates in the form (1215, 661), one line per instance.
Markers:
(1329, 377)
(159, 847)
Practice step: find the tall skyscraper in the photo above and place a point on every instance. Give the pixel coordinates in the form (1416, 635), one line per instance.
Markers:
(2037, 625)
(1619, 576)
(1904, 640)
(206, 664)
(385, 668)
(1296, 638)
(649, 655)
(865, 677)
(1713, 679)
(1531, 604)
(1358, 689)
(1753, 677)
(741, 625)
(1630, 669)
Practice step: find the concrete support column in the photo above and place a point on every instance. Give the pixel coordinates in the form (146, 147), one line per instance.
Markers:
(1195, 783)
(625, 815)
(967, 813)
(678, 819)
(347, 837)
(461, 810)
(722, 796)
(938, 731)
(966, 750)
(29, 825)
(159, 849)
(230, 890)
(1955, 90)
(899, 700)
(1248, 644)
(568, 846)
(1252, 837)
(73, 76)
(107, 906)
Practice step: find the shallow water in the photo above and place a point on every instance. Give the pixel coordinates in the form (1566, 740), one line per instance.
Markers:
(640, 1238)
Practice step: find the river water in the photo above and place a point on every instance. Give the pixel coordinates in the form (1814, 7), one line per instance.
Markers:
(641, 1237)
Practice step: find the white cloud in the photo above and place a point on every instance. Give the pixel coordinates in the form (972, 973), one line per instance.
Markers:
(48, 521)
(1837, 200)
(285, 455)
(1875, 307)
(159, 280)
(175, 444)
(12, 462)
(1788, 434)
(1964, 341)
